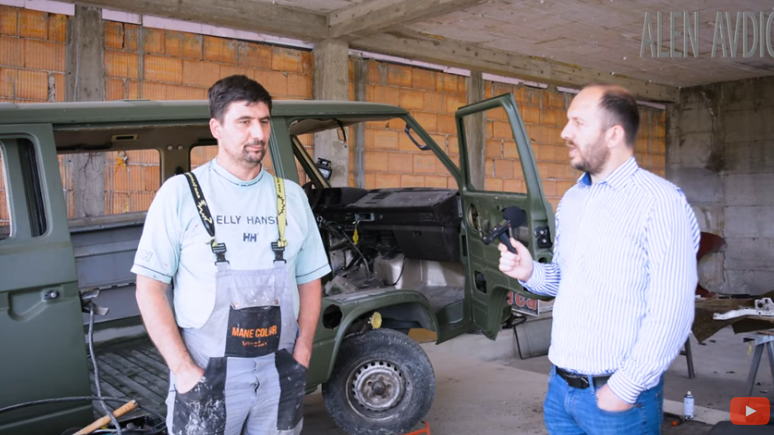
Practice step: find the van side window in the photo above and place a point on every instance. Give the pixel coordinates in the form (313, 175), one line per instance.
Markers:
(18, 162)
(502, 167)
(5, 217)
(131, 179)
(32, 189)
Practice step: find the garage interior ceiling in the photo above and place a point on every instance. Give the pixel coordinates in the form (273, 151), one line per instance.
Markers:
(604, 35)
(564, 42)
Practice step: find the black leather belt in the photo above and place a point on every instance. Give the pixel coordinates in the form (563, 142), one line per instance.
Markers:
(581, 381)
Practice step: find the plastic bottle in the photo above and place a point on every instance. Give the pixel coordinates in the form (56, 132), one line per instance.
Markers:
(688, 406)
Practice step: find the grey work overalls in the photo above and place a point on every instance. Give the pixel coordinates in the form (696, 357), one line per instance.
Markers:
(251, 383)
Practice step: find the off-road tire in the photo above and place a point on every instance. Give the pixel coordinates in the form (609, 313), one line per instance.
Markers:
(387, 357)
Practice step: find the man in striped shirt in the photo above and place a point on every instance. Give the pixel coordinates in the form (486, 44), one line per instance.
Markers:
(623, 274)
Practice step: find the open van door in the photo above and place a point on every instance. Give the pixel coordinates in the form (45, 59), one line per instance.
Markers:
(483, 207)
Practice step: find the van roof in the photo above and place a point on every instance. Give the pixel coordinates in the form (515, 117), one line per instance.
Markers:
(141, 111)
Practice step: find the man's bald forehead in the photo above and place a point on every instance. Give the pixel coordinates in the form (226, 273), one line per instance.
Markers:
(605, 88)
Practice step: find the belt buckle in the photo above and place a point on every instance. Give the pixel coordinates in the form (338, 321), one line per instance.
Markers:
(574, 380)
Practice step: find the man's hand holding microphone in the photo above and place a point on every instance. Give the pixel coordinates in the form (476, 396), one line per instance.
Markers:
(516, 265)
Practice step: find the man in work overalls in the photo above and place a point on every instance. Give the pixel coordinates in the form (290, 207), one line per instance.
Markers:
(246, 258)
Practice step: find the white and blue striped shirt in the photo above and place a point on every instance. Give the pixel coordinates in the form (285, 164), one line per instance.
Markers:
(624, 275)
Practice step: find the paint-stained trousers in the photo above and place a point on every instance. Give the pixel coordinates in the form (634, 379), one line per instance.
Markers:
(241, 396)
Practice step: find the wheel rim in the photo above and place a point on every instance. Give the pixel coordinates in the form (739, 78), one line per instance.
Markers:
(376, 387)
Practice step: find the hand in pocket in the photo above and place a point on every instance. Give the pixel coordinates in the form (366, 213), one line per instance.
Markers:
(187, 379)
(302, 356)
(608, 401)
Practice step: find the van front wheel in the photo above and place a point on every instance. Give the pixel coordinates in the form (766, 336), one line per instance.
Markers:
(382, 384)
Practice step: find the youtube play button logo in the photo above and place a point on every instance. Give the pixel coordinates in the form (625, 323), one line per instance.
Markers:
(750, 410)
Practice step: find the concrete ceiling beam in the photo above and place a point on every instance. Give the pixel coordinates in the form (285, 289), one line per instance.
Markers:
(375, 16)
(461, 55)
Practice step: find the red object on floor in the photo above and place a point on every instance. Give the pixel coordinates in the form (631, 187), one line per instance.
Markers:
(424, 431)
(708, 243)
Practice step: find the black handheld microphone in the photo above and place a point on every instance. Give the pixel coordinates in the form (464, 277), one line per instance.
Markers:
(513, 217)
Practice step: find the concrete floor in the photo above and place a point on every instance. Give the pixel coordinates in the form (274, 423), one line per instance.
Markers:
(722, 365)
(482, 386)
(472, 397)
(483, 389)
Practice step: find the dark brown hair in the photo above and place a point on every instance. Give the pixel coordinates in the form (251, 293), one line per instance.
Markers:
(620, 108)
(235, 88)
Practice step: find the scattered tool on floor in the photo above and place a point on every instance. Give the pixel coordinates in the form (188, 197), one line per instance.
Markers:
(128, 406)
(764, 307)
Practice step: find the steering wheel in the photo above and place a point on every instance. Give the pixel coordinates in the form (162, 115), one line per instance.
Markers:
(313, 194)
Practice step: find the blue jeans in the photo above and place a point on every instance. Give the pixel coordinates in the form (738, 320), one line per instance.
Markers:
(572, 411)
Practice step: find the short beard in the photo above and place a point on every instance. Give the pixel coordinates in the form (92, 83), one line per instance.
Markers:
(249, 158)
(595, 158)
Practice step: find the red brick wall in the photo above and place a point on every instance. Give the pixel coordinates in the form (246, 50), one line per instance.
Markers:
(543, 112)
(392, 160)
(161, 64)
(32, 55)
(179, 65)
(32, 64)
(131, 180)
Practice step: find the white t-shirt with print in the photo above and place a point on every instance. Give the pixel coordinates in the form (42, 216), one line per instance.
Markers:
(175, 244)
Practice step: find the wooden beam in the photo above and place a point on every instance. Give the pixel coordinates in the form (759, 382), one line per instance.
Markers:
(374, 16)
(254, 16)
(458, 54)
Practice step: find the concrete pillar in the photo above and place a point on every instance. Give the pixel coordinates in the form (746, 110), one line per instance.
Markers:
(86, 82)
(693, 143)
(331, 82)
(475, 131)
(361, 80)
